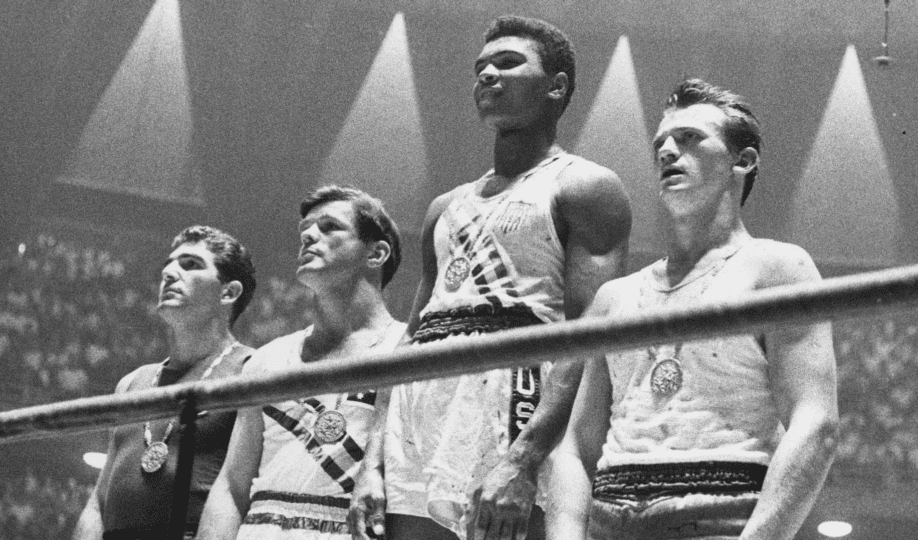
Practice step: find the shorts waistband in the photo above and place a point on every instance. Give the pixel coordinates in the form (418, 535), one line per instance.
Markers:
(467, 320)
(639, 484)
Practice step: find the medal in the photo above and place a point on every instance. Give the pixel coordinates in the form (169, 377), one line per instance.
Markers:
(156, 453)
(666, 375)
(330, 427)
(456, 273)
(154, 457)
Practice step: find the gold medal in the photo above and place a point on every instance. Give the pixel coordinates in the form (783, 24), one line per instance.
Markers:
(456, 273)
(330, 427)
(154, 457)
(666, 377)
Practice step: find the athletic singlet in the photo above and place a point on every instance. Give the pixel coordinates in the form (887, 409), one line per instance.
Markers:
(303, 486)
(509, 239)
(723, 410)
(444, 435)
(132, 499)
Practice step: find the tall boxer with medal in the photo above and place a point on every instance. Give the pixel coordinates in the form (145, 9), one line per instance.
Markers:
(720, 438)
(528, 243)
(206, 282)
(290, 468)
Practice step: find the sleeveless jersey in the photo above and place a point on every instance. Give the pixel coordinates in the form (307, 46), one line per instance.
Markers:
(722, 410)
(303, 486)
(509, 239)
(444, 435)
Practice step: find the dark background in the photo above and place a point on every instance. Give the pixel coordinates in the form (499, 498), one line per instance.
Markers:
(122, 122)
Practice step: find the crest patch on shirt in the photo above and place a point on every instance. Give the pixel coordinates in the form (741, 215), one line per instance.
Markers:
(514, 216)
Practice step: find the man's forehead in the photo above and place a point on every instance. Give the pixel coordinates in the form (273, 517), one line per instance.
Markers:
(510, 44)
(192, 249)
(342, 210)
(700, 115)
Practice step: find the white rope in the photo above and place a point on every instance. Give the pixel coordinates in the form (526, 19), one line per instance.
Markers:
(845, 297)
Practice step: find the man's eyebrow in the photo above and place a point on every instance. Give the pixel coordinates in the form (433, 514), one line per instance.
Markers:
(496, 56)
(181, 256)
(322, 218)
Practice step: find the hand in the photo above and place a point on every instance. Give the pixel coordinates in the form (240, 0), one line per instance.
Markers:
(368, 506)
(500, 508)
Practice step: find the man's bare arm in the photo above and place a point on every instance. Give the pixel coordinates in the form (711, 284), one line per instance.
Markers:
(228, 501)
(802, 370)
(579, 451)
(428, 261)
(594, 221)
(90, 526)
(368, 501)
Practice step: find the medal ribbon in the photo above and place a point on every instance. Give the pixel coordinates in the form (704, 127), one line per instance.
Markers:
(326, 462)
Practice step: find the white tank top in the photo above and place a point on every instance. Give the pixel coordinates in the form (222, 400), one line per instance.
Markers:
(509, 241)
(722, 409)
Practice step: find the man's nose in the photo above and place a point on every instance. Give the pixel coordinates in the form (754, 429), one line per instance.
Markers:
(488, 76)
(170, 273)
(668, 152)
(309, 235)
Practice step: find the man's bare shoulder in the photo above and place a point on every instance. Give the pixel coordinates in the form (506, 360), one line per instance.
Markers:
(144, 371)
(609, 294)
(274, 354)
(592, 200)
(584, 179)
(440, 202)
(777, 263)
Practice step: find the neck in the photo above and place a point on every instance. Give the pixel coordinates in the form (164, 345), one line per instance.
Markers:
(696, 236)
(191, 343)
(516, 151)
(335, 314)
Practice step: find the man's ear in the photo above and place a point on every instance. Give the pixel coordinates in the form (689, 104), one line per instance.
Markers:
(231, 292)
(379, 254)
(559, 86)
(748, 159)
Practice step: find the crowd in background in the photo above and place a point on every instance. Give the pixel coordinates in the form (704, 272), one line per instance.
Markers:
(76, 316)
(42, 507)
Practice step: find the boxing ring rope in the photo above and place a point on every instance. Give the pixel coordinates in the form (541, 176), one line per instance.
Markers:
(844, 297)
(856, 295)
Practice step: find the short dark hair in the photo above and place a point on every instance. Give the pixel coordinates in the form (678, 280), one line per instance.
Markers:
(373, 222)
(741, 130)
(555, 49)
(232, 259)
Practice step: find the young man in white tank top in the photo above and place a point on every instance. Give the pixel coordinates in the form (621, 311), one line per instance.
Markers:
(530, 242)
(714, 439)
(290, 466)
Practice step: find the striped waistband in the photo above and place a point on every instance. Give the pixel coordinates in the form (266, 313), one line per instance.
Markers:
(468, 320)
(630, 485)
